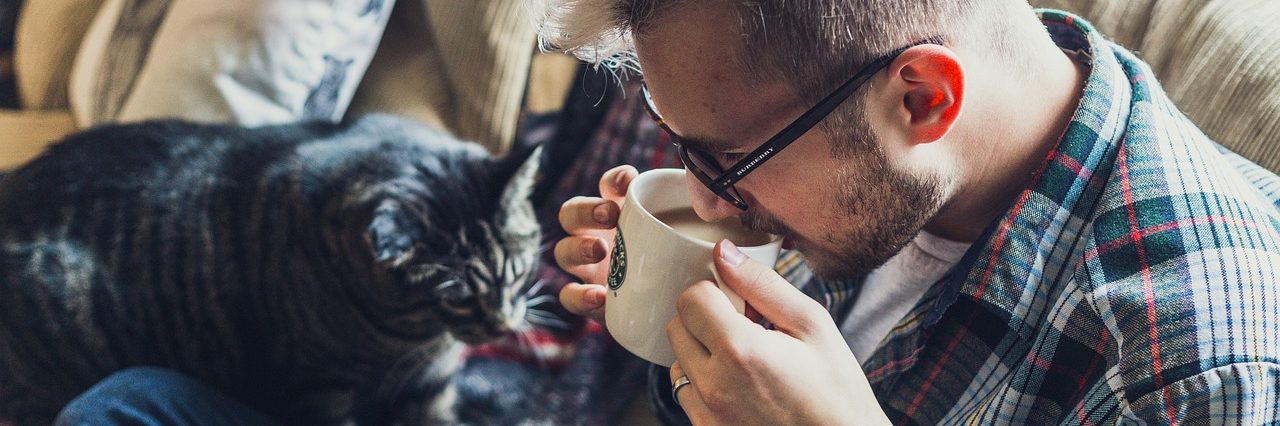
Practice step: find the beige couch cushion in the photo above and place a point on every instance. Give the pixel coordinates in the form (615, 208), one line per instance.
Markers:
(46, 42)
(24, 134)
(462, 65)
(42, 63)
(1218, 60)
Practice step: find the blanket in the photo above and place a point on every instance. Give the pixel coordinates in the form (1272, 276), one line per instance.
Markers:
(568, 371)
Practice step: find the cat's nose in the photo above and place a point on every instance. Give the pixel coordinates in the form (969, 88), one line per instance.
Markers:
(515, 317)
(505, 325)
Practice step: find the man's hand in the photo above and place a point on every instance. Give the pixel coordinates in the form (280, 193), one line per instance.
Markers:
(741, 373)
(591, 224)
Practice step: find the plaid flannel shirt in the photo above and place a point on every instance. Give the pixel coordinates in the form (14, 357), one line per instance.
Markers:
(1135, 280)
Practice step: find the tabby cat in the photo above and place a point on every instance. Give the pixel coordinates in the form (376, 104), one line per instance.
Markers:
(322, 273)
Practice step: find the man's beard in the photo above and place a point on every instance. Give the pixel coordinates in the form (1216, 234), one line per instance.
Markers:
(883, 210)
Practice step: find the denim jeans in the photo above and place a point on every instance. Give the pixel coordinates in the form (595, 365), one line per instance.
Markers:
(156, 396)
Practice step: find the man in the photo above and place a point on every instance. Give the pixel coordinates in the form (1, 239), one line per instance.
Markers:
(1030, 231)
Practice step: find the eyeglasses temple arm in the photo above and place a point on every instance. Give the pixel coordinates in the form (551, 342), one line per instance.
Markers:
(810, 118)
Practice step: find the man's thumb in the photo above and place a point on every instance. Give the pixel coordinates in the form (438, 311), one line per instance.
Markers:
(777, 300)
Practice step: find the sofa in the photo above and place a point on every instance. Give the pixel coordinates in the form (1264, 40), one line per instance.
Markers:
(1217, 59)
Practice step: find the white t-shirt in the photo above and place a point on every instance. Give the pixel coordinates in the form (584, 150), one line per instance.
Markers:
(893, 289)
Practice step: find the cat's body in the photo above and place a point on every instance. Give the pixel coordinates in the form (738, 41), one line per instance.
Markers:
(315, 271)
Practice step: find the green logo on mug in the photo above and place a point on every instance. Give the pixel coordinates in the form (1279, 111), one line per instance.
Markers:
(617, 263)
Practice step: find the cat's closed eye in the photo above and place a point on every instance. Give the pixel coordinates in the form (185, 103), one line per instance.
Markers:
(454, 294)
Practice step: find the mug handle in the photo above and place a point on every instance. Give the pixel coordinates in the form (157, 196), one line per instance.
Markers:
(738, 304)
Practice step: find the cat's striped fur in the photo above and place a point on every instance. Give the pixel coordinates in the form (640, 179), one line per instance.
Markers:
(314, 271)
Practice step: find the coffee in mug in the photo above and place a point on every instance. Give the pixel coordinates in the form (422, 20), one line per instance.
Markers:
(686, 222)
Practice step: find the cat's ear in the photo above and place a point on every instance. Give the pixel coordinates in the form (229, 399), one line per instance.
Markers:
(520, 169)
(515, 208)
(392, 233)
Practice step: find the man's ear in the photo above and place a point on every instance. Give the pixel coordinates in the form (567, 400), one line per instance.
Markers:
(933, 90)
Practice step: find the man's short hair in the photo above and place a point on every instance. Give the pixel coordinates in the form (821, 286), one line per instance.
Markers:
(812, 44)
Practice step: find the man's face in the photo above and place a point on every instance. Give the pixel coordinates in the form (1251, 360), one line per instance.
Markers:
(846, 213)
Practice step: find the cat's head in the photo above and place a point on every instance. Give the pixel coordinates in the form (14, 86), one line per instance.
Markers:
(458, 238)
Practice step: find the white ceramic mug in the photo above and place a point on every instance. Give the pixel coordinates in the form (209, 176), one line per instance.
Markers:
(652, 262)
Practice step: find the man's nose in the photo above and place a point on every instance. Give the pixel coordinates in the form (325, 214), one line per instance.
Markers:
(709, 206)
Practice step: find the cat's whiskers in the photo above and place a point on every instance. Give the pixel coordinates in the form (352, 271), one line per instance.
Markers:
(536, 287)
(539, 300)
(406, 366)
(544, 318)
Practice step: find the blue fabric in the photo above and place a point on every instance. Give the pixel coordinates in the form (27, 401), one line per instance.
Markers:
(156, 396)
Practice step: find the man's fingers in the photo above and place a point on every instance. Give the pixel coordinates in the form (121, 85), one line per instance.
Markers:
(687, 396)
(685, 346)
(614, 183)
(584, 299)
(575, 250)
(710, 317)
(676, 371)
(776, 299)
(584, 213)
(594, 273)
(583, 257)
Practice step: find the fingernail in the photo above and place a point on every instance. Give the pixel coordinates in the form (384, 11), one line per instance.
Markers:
(589, 250)
(601, 214)
(731, 254)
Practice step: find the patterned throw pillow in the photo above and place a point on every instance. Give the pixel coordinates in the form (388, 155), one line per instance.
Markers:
(250, 62)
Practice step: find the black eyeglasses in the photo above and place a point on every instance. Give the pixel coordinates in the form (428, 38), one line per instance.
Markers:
(707, 169)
